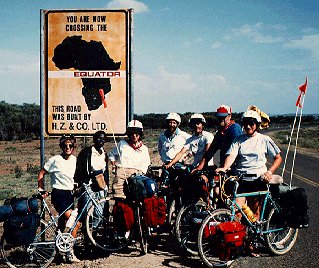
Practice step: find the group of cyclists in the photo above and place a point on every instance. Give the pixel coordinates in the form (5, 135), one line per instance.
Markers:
(243, 151)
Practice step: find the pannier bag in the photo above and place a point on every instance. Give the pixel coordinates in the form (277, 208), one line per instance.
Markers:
(231, 235)
(21, 229)
(137, 187)
(210, 229)
(154, 211)
(123, 216)
(19, 206)
(295, 207)
(194, 219)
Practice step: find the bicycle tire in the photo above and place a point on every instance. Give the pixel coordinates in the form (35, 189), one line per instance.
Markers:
(206, 248)
(40, 253)
(142, 234)
(281, 241)
(100, 228)
(185, 231)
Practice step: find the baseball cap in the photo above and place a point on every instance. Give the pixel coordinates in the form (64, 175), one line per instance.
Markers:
(223, 110)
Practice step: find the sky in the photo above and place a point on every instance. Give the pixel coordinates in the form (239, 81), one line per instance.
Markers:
(188, 56)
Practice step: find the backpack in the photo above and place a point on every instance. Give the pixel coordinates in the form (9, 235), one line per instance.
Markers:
(137, 187)
(295, 207)
(154, 211)
(21, 229)
(123, 216)
(231, 235)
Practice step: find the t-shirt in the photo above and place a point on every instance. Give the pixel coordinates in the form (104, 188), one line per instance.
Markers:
(127, 157)
(61, 172)
(98, 160)
(252, 152)
(197, 145)
(170, 145)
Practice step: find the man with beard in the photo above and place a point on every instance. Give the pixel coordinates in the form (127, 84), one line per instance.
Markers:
(173, 139)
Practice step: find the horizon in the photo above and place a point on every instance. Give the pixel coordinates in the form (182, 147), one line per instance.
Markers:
(187, 56)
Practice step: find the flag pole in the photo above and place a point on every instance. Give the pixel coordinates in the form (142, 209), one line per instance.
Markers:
(290, 139)
(295, 151)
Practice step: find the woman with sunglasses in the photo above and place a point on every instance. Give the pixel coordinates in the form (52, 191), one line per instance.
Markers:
(61, 169)
(249, 152)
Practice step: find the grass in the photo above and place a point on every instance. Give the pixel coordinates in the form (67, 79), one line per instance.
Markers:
(308, 138)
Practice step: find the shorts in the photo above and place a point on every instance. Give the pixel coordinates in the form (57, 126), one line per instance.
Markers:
(62, 199)
(121, 175)
(251, 186)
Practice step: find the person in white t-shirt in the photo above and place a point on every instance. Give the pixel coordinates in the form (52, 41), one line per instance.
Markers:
(250, 152)
(61, 169)
(195, 147)
(129, 157)
(197, 144)
(173, 139)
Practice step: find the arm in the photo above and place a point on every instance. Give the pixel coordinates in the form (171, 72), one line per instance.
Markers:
(277, 161)
(176, 158)
(41, 179)
(230, 159)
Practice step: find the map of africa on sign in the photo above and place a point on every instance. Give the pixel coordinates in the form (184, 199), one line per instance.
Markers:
(74, 52)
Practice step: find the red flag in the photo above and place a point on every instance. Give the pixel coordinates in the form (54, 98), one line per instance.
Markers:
(101, 91)
(302, 89)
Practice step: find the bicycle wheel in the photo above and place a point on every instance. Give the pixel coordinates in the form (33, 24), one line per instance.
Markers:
(187, 225)
(207, 244)
(40, 253)
(101, 230)
(280, 238)
(142, 233)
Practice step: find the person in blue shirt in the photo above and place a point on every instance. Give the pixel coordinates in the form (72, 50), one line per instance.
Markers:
(228, 130)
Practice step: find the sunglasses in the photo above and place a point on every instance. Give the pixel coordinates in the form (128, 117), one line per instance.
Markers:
(67, 145)
(250, 123)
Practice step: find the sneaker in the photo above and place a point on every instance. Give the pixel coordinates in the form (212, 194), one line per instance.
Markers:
(71, 258)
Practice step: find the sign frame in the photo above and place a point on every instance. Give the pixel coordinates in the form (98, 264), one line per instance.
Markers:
(110, 120)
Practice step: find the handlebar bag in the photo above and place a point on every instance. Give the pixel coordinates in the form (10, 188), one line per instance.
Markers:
(138, 187)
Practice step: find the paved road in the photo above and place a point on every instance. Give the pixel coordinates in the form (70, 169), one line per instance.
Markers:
(306, 251)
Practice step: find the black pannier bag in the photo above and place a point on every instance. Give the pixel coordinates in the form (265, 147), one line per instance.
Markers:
(295, 207)
(21, 229)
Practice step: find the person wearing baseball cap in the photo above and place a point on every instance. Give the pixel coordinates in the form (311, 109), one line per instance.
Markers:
(228, 130)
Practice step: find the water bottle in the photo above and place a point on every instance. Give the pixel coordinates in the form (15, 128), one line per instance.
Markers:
(250, 215)
(71, 220)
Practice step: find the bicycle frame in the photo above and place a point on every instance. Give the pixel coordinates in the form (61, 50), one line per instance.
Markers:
(54, 220)
(266, 200)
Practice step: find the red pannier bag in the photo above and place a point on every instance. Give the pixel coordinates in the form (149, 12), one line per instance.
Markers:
(154, 211)
(231, 235)
(123, 216)
(210, 229)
